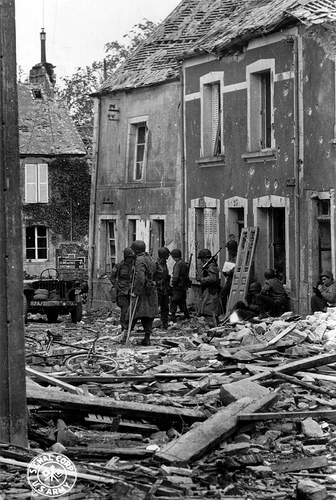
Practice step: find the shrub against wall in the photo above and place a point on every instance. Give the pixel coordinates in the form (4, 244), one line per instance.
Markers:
(67, 213)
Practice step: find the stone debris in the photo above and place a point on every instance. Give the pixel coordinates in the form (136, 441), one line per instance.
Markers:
(243, 410)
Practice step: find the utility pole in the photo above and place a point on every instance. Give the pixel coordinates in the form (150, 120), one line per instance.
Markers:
(13, 407)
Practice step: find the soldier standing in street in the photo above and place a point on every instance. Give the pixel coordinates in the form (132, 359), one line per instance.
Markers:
(144, 303)
(121, 278)
(163, 285)
(210, 304)
(180, 285)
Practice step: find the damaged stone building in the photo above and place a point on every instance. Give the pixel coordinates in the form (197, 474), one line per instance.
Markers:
(55, 226)
(224, 118)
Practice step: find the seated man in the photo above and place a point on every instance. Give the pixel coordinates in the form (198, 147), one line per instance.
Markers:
(273, 298)
(325, 294)
(248, 308)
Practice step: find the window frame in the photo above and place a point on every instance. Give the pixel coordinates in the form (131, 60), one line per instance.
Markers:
(260, 104)
(133, 145)
(212, 123)
(37, 238)
(36, 183)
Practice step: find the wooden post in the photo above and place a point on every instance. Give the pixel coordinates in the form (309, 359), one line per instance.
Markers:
(13, 409)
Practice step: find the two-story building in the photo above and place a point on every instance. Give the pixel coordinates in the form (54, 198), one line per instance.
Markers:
(55, 177)
(234, 104)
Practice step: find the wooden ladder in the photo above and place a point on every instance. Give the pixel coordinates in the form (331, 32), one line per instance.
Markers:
(242, 270)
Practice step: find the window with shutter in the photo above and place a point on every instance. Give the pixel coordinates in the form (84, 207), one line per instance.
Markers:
(212, 114)
(260, 107)
(203, 227)
(36, 183)
(137, 148)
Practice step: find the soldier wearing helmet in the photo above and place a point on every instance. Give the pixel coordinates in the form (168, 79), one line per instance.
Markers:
(121, 278)
(145, 305)
(273, 298)
(180, 284)
(163, 285)
(208, 277)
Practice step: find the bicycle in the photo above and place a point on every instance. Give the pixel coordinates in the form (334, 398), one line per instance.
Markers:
(87, 360)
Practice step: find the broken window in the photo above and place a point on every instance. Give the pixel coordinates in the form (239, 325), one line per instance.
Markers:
(36, 183)
(37, 93)
(36, 243)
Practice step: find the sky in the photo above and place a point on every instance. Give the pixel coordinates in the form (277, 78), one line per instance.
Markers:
(77, 30)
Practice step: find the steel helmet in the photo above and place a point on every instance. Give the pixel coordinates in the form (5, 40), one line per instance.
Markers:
(128, 252)
(138, 246)
(204, 254)
(176, 252)
(255, 286)
(269, 274)
(163, 253)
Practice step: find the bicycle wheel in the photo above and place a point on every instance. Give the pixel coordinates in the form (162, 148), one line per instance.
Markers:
(96, 363)
(32, 346)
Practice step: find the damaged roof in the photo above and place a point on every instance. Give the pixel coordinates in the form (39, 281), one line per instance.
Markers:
(45, 125)
(210, 26)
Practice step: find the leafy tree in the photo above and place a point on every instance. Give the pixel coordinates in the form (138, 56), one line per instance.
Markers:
(77, 88)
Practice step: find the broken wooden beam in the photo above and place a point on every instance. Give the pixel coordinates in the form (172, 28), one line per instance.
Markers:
(288, 415)
(203, 437)
(295, 366)
(107, 406)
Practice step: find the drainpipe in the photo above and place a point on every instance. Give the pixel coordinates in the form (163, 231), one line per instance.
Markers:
(298, 157)
(93, 206)
(184, 206)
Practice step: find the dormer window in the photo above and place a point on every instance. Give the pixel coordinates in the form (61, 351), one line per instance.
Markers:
(37, 93)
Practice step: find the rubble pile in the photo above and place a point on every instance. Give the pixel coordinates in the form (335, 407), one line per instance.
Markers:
(243, 410)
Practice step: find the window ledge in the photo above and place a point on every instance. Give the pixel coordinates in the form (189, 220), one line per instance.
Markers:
(333, 142)
(260, 156)
(211, 161)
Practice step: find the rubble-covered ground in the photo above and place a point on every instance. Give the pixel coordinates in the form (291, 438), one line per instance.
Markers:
(244, 410)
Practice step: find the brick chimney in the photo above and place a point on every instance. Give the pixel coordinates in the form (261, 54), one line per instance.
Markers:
(42, 74)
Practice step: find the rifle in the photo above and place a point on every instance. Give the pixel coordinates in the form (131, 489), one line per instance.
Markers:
(212, 259)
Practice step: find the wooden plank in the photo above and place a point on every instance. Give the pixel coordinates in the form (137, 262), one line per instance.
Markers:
(203, 437)
(288, 415)
(304, 463)
(282, 334)
(295, 366)
(107, 406)
(306, 385)
(54, 381)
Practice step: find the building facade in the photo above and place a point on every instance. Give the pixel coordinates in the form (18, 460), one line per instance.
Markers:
(55, 179)
(247, 114)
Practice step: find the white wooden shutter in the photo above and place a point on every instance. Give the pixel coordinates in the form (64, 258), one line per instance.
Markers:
(215, 113)
(211, 236)
(31, 183)
(143, 231)
(42, 183)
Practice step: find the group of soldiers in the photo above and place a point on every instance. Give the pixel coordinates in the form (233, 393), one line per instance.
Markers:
(145, 289)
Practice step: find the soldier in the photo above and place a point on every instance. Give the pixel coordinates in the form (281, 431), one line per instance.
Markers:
(210, 304)
(163, 285)
(180, 284)
(121, 277)
(144, 303)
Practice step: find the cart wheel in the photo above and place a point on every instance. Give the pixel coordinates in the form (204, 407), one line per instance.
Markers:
(95, 363)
